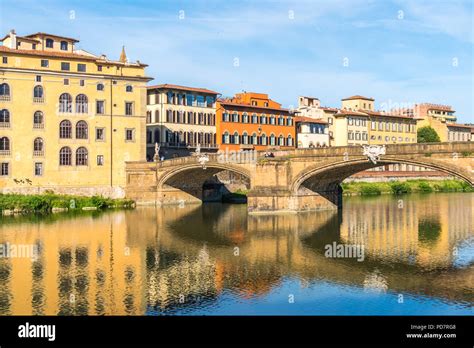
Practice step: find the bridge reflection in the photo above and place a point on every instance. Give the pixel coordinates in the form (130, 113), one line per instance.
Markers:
(166, 260)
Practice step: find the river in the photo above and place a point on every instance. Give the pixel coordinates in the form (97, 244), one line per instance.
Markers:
(417, 258)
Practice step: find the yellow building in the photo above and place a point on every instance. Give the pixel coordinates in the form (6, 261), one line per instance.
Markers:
(69, 120)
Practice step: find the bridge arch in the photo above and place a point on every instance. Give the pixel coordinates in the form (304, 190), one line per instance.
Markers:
(328, 177)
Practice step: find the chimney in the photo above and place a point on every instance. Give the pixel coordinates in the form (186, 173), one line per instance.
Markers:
(13, 39)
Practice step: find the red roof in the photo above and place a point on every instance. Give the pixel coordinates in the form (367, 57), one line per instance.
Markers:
(459, 125)
(309, 120)
(183, 88)
(52, 35)
(228, 103)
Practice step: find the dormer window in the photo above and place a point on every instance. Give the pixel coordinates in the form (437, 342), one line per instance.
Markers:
(64, 45)
(49, 43)
(33, 46)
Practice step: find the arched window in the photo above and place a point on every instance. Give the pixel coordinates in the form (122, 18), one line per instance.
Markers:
(38, 92)
(128, 88)
(289, 141)
(64, 45)
(100, 86)
(225, 138)
(4, 144)
(245, 138)
(82, 156)
(272, 139)
(263, 139)
(254, 139)
(49, 43)
(236, 137)
(4, 90)
(81, 104)
(4, 116)
(65, 156)
(281, 140)
(65, 102)
(81, 130)
(38, 147)
(65, 130)
(38, 119)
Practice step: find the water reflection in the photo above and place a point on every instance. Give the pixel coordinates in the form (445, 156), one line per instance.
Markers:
(217, 259)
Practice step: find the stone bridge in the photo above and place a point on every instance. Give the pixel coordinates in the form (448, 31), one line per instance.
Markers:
(292, 181)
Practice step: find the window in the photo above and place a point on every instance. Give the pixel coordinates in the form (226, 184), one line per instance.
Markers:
(254, 119)
(81, 67)
(272, 139)
(263, 119)
(100, 160)
(289, 121)
(350, 121)
(289, 141)
(49, 43)
(44, 63)
(38, 169)
(4, 60)
(254, 103)
(38, 78)
(357, 137)
(245, 138)
(128, 108)
(373, 125)
(82, 103)
(99, 107)
(236, 138)
(65, 66)
(225, 117)
(129, 134)
(351, 136)
(63, 45)
(38, 92)
(38, 119)
(5, 169)
(38, 147)
(99, 67)
(4, 90)
(245, 118)
(281, 121)
(82, 83)
(82, 156)
(272, 119)
(129, 88)
(66, 82)
(65, 102)
(330, 120)
(364, 136)
(65, 130)
(100, 134)
(65, 156)
(281, 140)
(265, 104)
(4, 116)
(225, 138)
(263, 139)
(100, 86)
(82, 130)
(235, 117)
(357, 122)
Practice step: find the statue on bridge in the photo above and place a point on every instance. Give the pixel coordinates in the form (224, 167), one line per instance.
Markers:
(156, 156)
(373, 152)
(202, 158)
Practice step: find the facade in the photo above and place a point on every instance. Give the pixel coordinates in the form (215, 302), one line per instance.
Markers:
(357, 122)
(69, 120)
(252, 121)
(441, 118)
(311, 133)
(179, 118)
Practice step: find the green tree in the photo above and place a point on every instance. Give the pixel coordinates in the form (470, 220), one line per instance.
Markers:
(427, 135)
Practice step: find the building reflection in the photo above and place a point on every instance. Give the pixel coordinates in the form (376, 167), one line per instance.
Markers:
(165, 261)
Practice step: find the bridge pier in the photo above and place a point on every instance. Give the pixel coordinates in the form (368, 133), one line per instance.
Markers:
(267, 200)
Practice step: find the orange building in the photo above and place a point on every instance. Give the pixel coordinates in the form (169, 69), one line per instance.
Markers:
(252, 121)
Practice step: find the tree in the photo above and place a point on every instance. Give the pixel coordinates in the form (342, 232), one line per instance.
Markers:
(427, 135)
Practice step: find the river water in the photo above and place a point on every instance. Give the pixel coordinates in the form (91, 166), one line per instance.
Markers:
(412, 254)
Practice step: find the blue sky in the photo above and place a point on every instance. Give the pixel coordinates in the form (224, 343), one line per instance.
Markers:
(397, 51)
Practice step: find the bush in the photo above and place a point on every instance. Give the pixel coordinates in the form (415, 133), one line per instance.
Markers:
(370, 189)
(399, 188)
(425, 187)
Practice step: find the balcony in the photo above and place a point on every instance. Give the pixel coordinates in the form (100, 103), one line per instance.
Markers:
(5, 153)
(38, 153)
(38, 100)
(5, 98)
(4, 124)
(38, 125)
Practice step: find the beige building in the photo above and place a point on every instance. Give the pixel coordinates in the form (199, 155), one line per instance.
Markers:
(358, 123)
(179, 118)
(69, 120)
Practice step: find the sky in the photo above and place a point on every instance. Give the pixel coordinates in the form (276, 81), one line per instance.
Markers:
(399, 52)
